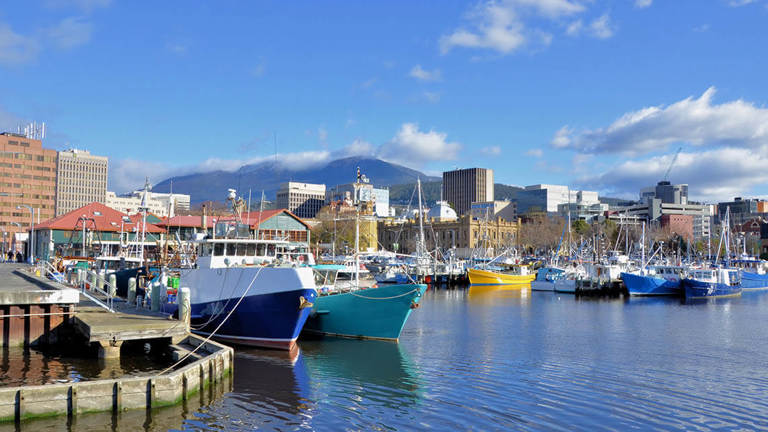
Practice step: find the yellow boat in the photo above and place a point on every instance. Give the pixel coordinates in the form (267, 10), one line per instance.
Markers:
(486, 277)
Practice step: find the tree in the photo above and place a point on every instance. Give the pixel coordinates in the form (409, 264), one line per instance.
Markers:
(581, 227)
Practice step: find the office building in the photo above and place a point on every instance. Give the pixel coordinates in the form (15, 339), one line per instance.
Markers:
(81, 180)
(462, 187)
(742, 209)
(27, 178)
(159, 204)
(666, 192)
(490, 210)
(547, 198)
(302, 199)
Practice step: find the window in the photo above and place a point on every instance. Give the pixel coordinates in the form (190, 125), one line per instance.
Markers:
(231, 250)
(218, 249)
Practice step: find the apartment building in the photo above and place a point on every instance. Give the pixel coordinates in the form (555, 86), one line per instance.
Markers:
(302, 199)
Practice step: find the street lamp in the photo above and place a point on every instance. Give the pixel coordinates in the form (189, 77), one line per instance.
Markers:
(17, 224)
(32, 232)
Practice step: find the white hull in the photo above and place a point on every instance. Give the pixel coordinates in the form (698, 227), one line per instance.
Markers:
(565, 286)
(542, 286)
(215, 284)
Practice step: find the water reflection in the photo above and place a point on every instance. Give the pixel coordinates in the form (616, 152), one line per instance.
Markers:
(494, 293)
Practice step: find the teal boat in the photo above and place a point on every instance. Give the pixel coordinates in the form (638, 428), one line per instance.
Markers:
(379, 312)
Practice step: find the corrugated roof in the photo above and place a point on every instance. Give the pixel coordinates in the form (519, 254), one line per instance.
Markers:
(105, 218)
(252, 218)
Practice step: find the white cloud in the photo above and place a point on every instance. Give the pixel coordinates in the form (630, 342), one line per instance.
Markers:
(643, 3)
(411, 146)
(499, 25)
(535, 153)
(177, 48)
(574, 28)
(15, 48)
(491, 150)
(693, 121)
(425, 75)
(601, 27)
(84, 5)
(358, 147)
(69, 33)
(432, 97)
(738, 3)
(716, 174)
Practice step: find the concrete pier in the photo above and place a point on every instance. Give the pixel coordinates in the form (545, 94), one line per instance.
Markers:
(212, 363)
(30, 309)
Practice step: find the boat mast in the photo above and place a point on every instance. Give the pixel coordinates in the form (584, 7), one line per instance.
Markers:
(143, 210)
(357, 229)
(642, 252)
(421, 247)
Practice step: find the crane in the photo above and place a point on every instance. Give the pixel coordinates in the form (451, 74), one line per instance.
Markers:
(671, 164)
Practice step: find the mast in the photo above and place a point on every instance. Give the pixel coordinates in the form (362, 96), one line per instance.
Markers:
(421, 245)
(642, 252)
(143, 210)
(357, 230)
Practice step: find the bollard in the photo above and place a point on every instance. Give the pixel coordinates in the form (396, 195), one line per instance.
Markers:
(80, 277)
(132, 290)
(92, 279)
(140, 301)
(156, 287)
(185, 309)
(112, 288)
(101, 281)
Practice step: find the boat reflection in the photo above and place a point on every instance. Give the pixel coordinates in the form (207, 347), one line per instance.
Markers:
(376, 371)
(494, 293)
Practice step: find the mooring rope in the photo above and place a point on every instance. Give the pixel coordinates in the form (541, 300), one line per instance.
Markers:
(181, 360)
(385, 298)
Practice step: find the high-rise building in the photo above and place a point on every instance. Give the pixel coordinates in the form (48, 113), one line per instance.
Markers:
(667, 192)
(82, 179)
(462, 187)
(27, 178)
(302, 199)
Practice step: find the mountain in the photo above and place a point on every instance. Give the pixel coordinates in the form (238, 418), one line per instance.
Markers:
(267, 176)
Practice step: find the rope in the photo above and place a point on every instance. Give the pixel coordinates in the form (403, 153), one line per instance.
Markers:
(385, 298)
(218, 327)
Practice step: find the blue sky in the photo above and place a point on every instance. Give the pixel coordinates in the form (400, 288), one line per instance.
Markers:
(595, 94)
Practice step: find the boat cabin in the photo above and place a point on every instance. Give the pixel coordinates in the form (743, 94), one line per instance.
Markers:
(723, 276)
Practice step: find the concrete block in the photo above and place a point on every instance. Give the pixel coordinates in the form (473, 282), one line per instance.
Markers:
(93, 396)
(43, 401)
(134, 394)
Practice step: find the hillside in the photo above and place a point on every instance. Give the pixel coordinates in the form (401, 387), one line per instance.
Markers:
(268, 176)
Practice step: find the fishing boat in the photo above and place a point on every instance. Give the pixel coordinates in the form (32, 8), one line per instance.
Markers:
(752, 273)
(546, 277)
(519, 275)
(350, 309)
(245, 290)
(711, 283)
(657, 280)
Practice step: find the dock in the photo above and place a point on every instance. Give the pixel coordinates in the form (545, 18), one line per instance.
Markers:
(32, 311)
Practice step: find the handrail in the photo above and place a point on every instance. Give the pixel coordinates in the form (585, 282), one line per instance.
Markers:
(50, 270)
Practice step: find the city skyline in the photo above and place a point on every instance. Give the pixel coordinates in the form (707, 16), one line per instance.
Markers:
(598, 95)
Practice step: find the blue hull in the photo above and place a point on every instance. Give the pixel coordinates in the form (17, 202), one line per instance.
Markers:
(639, 285)
(754, 281)
(373, 313)
(696, 289)
(268, 320)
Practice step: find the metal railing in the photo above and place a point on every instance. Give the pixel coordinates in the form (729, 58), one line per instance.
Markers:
(47, 269)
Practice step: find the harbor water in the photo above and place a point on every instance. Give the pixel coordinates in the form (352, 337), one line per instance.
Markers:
(490, 359)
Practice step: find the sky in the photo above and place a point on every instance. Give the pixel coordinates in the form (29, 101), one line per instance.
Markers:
(595, 94)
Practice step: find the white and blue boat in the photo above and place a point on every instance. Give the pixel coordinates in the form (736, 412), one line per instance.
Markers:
(546, 277)
(239, 292)
(753, 276)
(712, 283)
(660, 280)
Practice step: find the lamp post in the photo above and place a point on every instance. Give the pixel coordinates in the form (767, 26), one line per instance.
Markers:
(32, 230)
(18, 225)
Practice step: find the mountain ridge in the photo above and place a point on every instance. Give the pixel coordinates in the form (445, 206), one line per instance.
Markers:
(268, 175)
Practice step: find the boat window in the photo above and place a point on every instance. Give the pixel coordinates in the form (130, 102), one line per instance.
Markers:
(251, 249)
(231, 249)
(261, 249)
(343, 276)
(218, 249)
(271, 250)
(240, 249)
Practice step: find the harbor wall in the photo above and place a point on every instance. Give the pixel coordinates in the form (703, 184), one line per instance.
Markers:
(116, 395)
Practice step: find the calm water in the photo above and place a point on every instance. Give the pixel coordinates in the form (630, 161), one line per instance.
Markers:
(509, 360)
